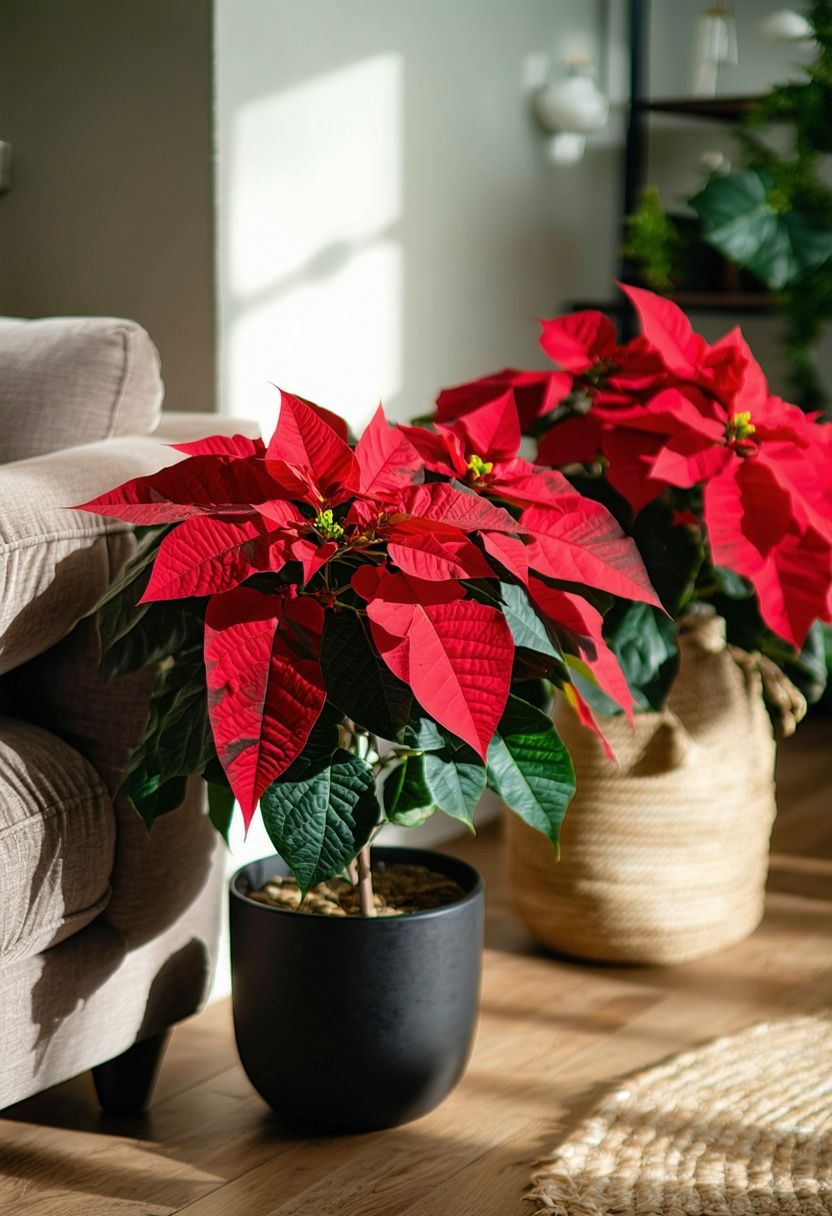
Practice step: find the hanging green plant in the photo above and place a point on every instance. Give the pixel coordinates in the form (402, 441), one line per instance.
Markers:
(751, 219)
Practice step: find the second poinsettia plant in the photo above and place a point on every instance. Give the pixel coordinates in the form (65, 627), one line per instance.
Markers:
(350, 634)
(726, 488)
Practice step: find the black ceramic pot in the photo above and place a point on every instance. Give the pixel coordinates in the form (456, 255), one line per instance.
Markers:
(353, 1024)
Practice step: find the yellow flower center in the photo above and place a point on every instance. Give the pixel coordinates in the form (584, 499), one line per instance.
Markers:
(740, 426)
(327, 526)
(478, 467)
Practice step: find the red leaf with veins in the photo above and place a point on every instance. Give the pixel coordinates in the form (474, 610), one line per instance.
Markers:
(582, 543)
(201, 485)
(536, 394)
(524, 484)
(333, 420)
(387, 459)
(310, 447)
(630, 455)
(492, 431)
(440, 452)
(794, 584)
(444, 504)
(455, 656)
(280, 513)
(264, 693)
(573, 613)
(311, 556)
(222, 445)
(205, 556)
(578, 340)
(668, 331)
(430, 555)
(509, 551)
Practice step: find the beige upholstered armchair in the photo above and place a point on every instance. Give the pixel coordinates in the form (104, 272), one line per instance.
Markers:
(107, 934)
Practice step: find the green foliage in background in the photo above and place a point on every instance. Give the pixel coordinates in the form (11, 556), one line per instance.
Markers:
(653, 241)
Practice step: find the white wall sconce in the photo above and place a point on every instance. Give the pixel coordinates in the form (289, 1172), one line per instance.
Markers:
(570, 109)
(787, 25)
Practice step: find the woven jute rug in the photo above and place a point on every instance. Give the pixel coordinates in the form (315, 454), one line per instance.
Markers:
(740, 1127)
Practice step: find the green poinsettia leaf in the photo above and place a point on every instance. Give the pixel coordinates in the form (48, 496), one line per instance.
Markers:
(644, 641)
(134, 635)
(358, 680)
(220, 807)
(407, 799)
(151, 796)
(422, 732)
(530, 768)
(455, 777)
(743, 218)
(319, 823)
(177, 741)
(733, 585)
(526, 627)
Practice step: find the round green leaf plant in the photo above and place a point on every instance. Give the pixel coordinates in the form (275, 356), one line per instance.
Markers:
(353, 634)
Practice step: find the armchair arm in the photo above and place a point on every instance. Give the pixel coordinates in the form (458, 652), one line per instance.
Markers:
(55, 563)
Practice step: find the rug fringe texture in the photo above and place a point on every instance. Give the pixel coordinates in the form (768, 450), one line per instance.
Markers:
(739, 1127)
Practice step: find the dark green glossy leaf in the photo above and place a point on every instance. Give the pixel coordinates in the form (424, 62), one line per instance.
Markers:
(530, 768)
(455, 777)
(358, 680)
(177, 741)
(526, 627)
(644, 640)
(220, 808)
(407, 800)
(422, 732)
(133, 635)
(733, 585)
(318, 824)
(151, 796)
(808, 669)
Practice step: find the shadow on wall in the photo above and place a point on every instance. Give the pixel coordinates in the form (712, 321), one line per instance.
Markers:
(388, 221)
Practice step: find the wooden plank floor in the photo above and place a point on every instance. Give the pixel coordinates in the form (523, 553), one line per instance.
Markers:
(552, 1036)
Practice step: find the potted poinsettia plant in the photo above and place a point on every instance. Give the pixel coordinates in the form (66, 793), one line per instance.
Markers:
(727, 490)
(350, 635)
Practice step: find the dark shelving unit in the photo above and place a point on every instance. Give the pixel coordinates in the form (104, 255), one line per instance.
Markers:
(713, 109)
(642, 107)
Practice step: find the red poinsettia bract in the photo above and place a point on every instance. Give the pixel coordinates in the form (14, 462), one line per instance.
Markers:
(670, 410)
(399, 529)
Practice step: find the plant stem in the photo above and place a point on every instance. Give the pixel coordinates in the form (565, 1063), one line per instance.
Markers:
(365, 883)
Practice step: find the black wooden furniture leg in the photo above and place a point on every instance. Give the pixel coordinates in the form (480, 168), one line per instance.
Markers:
(124, 1084)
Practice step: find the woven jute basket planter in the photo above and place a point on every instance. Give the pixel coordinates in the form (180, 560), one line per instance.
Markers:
(664, 855)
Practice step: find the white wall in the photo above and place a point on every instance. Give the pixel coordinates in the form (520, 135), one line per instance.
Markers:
(387, 219)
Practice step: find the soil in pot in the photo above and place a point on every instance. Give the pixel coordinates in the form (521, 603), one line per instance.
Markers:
(398, 889)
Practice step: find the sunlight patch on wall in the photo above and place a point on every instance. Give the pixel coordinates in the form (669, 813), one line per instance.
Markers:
(336, 340)
(312, 264)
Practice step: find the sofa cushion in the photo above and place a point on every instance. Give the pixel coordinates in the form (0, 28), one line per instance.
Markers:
(56, 563)
(72, 380)
(57, 840)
